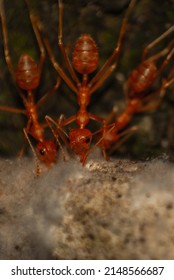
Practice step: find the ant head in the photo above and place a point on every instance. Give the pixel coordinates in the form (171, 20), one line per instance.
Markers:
(85, 55)
(27, 73)
(47, 151)
(80, 140)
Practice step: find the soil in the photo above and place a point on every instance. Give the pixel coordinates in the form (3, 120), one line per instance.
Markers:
(120, 209)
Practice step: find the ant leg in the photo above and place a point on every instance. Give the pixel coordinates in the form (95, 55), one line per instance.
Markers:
(124, 136)
(96, 118)
(159, 93)
(112, 115)
(34, 153)
(61, 45)
(168, 83)
(59, 121)
(50, 93)
(27, 129)
(103, 121)
(6, 48)
(166, 61)
(104, 132)
(57, 67)
(101, 80)
(13, 110)
(161, 53)
(62, 133)
(18, 111)
(156, 41)
(150, 107)
(49, 120)
(105, 75)
(21, 152)
(116, 51)
(35, 21)
(5, 39)
(68, 121)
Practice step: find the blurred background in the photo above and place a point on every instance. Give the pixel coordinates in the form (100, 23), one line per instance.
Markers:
(102, 20)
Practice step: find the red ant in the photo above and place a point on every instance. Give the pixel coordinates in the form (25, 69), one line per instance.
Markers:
(138, 99)
(27, 78)
(85, 61)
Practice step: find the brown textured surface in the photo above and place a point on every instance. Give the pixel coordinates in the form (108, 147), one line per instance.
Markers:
(106, 210)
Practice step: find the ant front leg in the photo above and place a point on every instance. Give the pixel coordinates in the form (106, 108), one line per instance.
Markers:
(55, 64)
(112, 139)
(160, 93)
(112, 115)
(103, 132)
(122, 137)
(107, 68)
(155, 42)
(61, 45)
(35, 23)
(5, 40)
(27, 129)
(50, 93)
(12, 110)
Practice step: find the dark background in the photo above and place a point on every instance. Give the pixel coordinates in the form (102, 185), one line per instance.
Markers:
(102, 20)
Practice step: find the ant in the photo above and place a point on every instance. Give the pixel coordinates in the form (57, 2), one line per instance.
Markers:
(85, 59)
(27, 79)
(139, 96)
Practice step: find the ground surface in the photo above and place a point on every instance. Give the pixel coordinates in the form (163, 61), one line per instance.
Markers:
(107, 210)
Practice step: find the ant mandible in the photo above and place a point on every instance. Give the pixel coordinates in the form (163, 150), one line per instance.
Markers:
(27, 79)
(139, 95)
(85, 60)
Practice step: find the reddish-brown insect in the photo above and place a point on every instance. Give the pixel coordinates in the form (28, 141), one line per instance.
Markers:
(138, 97)
(147, 72)
(85, 61)
(27, 78)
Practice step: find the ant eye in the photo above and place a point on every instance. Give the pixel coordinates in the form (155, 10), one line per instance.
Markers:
(42, 152)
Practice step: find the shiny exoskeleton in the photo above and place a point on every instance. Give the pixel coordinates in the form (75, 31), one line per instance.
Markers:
(27, 73)
(85, 56)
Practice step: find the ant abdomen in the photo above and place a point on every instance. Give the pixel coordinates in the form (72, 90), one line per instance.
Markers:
(142, 77)
(27, 73)
(85, 55)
